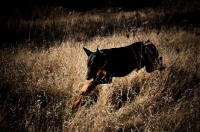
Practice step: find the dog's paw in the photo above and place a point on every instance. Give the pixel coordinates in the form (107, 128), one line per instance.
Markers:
(75, 104)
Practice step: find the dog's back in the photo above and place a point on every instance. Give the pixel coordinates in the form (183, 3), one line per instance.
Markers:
(123, 60)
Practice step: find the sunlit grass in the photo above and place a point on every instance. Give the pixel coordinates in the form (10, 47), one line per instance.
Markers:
(39, 83)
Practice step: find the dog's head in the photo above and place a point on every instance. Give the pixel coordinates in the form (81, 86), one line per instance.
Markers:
(96, 61)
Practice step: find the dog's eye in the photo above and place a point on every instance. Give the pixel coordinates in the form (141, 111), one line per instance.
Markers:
(93, 65)
(90, 64)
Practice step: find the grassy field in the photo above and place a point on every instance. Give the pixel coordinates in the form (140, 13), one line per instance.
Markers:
(40, 81)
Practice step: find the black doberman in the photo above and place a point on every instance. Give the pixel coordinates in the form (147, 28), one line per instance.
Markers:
(118, 62)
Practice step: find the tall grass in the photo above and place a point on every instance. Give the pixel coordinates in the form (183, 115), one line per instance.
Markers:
(46, 26)
(39, 85)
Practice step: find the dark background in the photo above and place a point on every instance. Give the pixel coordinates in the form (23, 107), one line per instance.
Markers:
(180, 13)
(188, 9)
(81, 4)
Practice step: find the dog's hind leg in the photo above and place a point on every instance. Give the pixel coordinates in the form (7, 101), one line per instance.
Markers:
(160, 64)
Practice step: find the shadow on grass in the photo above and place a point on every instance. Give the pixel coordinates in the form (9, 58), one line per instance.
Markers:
(24, 110)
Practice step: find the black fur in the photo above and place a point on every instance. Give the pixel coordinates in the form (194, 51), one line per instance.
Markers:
(118, 62)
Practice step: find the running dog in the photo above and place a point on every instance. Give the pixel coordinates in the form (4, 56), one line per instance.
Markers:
(104, 64)
(118, 62)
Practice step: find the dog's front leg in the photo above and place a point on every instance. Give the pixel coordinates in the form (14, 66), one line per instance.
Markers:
(75, 104)
(103, 77)
(88, 87)
(107, 79)
(100, 75)
(85, 89)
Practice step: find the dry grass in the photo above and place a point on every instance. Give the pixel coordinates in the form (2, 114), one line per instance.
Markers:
(39, 86)
(47, 26)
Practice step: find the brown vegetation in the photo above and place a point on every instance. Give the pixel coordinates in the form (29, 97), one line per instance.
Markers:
(39, 83)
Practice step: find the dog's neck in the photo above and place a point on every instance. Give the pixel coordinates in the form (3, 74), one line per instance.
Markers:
(105, 56)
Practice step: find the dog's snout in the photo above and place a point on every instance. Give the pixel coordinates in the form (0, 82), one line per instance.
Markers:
(87, 78)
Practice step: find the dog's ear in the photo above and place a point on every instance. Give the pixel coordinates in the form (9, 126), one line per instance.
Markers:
(88, 52)
(98, 51)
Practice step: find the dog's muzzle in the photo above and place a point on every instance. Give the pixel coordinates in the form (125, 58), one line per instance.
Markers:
(90, 75)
